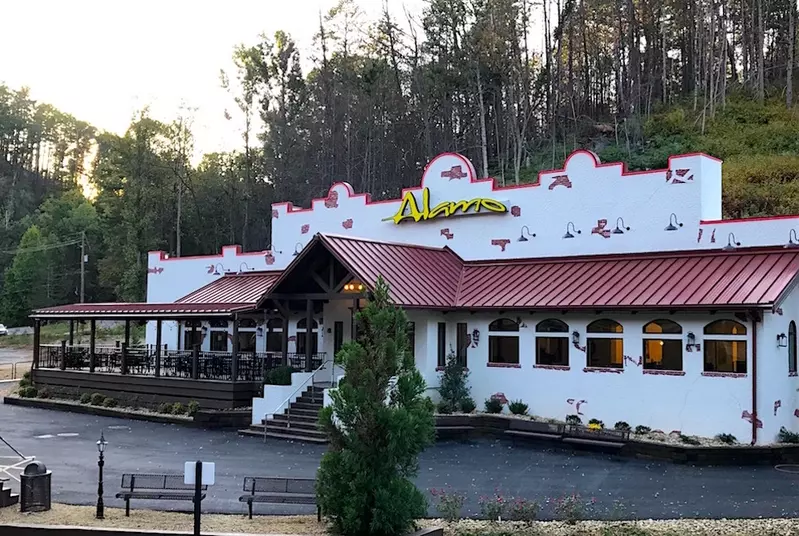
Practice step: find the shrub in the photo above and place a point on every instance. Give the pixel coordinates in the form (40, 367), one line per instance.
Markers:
(468, 405)
(493, 405)
(96, 399)
(279, 376)
(597, 422)
(523, 510)
(454, 383)
(43, 393)
(359, 492)
(573, 419)
(178, 409)
(85, 398)
(28, 391)
(448, 503)
(729, 439)
(571, 508)
(517, 407)
(27, 377)
(641, 429)
(689, 440)
(25, 382)
(193, 407)
(786, 436)
(164, 408)
(109, 403)
(444, 408)
(622, 426)
(492, 508)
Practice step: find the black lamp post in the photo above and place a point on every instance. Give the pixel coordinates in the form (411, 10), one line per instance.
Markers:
(101, 443)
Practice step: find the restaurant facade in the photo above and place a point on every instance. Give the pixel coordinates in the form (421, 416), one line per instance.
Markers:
(597, 292)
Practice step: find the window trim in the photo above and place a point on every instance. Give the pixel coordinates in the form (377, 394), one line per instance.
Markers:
(504, 333)
(441, 345)
(565, 334)
(792, 370)
(649, 336)
(613, 335)
(712, 337)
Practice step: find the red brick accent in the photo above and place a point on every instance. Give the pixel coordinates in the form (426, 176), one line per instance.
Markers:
(331, 201)
(275, 213)
(269, 258)
(445, 232)
(455, 172)
(560, 180)
(305, 228)
(347, 224)
(155, 270)
(600, 228)
(655, 372)
(501, 242)
(749, 418)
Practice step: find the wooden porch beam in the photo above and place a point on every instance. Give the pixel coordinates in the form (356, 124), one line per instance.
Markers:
(318, 296)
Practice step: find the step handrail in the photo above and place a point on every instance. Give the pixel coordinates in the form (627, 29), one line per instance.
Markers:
(287, 401)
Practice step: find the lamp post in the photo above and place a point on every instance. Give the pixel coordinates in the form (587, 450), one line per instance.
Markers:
(101, 443)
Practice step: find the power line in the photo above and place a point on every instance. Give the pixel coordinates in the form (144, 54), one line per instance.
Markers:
(45, 247)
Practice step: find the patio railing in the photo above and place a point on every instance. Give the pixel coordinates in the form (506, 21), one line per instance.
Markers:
(141, 361)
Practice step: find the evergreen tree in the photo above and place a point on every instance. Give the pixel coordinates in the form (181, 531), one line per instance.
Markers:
(24, 286)
(378, 424)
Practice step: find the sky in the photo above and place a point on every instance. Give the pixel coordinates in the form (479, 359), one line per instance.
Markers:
(102, 60)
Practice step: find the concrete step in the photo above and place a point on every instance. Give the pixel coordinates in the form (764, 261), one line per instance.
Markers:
(310, 419)
(287, 434)
(312, 413)
(305, 399)
(294, 437)
(294, 423)
(274, 428)
(306, 405)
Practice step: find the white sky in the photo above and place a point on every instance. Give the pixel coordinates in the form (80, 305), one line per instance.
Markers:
(101, 60)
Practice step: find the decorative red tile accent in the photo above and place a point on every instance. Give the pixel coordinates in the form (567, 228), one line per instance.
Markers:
(631, 359)
(275, 214)
(157, 270)
(613, 370)
(668, 175)
(748, 417)
(501, 242)
(699, 235)
(445, 232)
(552, 367)
(581, 348)
(713, 237)
(269, 258)
(560, 180)
(570, 401)
(305, 228)
(331, 201)
(516, 211)
(501, 397)
(724, 374)
(504, 365)
(347, 224)
(655, 372)
(777, 405)
(455, 172)
(600, 228)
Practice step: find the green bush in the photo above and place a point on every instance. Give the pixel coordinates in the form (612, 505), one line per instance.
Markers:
(178, 409)
(193, 407)
(97, 399)
(573, 419)
(279, 376)
(598, 422)
(109, 403)
(27, 377)
(454, 384)
(786, 436)
(43, 393)
(622, 426)
(444, 408)
(517, 407)
(28, 392)
(641, 429)
(468, 405)
(493, 405)
(85, 398)
(25, 382)
(164, 408)
(689, 440)
(729, 439)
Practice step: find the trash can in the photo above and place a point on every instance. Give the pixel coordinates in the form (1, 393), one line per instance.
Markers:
(34, 486)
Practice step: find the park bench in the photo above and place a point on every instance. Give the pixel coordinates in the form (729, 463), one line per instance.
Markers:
(156, 488)
(280, 490)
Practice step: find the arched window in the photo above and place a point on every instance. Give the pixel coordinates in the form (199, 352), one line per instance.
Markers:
(503, 342)
(663, 345)
(792, 348)
(219, 335)
(552, 343)
(274, 335)
(725, 347)
(302, 325)
(604, 346)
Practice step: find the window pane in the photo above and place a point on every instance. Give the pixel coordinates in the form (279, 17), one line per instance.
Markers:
(462, 343)
(442, 344)
(604, 325)
(302, 323)
(792, 346)
(552, 326)
(552, 351)
(503, 349)
(274, 323)
(725, 356)
(663, 354)
(663, 326)
(605, 353)
(725, 327)
(274, 341)
(503, 324)
(187, 339)
(219, 341)
(246, 341)
(412, 338)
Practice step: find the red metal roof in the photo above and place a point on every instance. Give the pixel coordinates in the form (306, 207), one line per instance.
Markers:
(418, 276)
(234, 288)
(716, 279)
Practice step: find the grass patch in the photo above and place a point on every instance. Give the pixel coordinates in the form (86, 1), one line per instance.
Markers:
(58, 331)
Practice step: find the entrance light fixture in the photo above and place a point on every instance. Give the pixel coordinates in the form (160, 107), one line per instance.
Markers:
(732, 243)
(297, 249)
(217, 267)
(568, 234)
(793, 241)
(673, 223)
(620, 228)
(523, 238)
(575, 337)
(782, 340)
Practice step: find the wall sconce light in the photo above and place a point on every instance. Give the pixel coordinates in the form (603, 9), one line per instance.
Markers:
(259, 331)
(269, 248)
(523, 238)
(691, 338)
(782, 340)
(575, 337)
(352, 287)
(217, 267)
(205, 330)
(521, 323)
(297, 249)
(568, 234)
(618, 229)
(241, 267)
(673, 223)
(793, 241)
(731, 243)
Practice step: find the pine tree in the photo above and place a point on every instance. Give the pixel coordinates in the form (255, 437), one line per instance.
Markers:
(24, 285)
(378, 424)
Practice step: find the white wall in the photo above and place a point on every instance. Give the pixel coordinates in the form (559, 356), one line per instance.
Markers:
(693, 403)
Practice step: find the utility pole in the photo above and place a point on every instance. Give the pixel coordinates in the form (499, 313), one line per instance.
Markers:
(82, 264)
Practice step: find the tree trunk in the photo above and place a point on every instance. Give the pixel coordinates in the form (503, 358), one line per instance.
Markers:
(791, 51)
(483, 142)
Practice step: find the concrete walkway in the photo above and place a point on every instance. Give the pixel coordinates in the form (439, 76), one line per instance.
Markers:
(66, 444)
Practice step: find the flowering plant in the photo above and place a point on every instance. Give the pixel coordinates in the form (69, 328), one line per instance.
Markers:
(492, 508)
(523, 510)
(572, 507)
(449, 503)
(594, 426)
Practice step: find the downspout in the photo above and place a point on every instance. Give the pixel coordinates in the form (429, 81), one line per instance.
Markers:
(754, 378)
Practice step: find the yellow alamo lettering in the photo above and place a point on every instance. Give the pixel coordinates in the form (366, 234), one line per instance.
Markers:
(409, 208)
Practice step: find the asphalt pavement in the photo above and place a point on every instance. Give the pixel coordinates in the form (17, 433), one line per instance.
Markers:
(66, 443)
